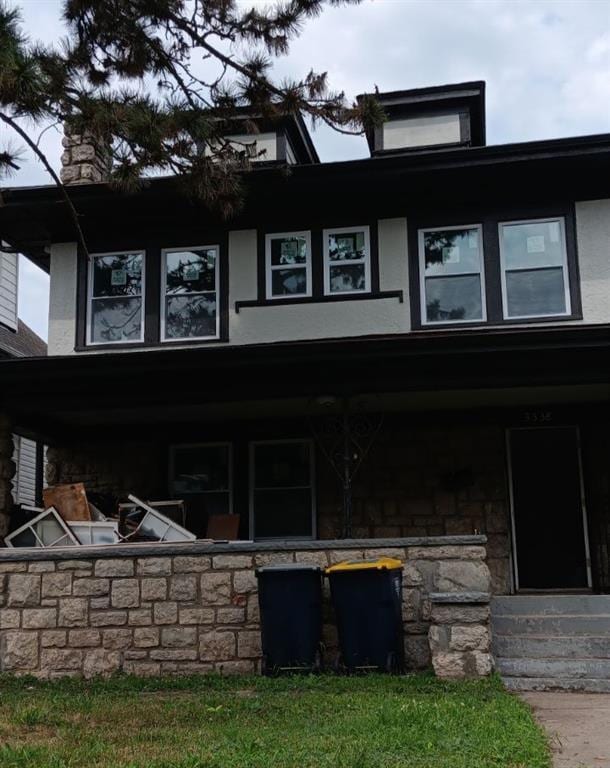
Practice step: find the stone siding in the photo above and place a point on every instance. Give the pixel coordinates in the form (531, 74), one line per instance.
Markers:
(194, 609)
(416, 480)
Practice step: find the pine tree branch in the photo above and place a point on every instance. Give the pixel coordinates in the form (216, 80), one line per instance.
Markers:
(64, 192)
(237, 67)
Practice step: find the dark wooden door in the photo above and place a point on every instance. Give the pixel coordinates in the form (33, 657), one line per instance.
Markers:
(549, 521)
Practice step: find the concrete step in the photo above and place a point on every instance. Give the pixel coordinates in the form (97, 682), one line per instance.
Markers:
(551, 605)
(597, 625)
(550, 647)
(597, 669)
(583, 685)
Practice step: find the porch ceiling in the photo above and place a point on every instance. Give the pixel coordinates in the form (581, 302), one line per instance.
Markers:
(420, 371)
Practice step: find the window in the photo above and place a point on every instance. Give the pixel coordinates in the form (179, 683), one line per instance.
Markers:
(206, 469)
(288, 265)
(452, 282)
(116, 290)
(282, 501)
(347, 260)
(534, 268)
(189, 308)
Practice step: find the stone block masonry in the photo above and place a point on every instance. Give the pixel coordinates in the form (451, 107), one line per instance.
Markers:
(192, 608)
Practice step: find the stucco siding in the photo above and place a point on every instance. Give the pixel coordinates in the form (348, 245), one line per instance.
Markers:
(62, 299)
(593, 234)
(328, 319)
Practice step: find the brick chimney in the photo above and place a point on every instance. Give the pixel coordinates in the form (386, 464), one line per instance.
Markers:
(82, 162)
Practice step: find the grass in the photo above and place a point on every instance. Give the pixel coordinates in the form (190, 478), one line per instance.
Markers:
(296, 722)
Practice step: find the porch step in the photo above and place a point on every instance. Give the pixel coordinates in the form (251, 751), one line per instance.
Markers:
(582, 685)
(559, 626)
(552, 605)
(598, 669)
(549, 647)
(543, 642)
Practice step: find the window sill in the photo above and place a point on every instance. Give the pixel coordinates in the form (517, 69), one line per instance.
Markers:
(149, 344)
(468, 325)
(239, 305)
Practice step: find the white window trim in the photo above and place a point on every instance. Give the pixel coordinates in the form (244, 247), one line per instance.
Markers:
(91, 299)
(269, 268)
(366, 260)
(422, 275)
(172, 467)
(564, 266)
(164, 252)
(311, 487)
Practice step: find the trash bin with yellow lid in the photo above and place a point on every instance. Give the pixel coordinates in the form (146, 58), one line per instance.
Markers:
(367, 596)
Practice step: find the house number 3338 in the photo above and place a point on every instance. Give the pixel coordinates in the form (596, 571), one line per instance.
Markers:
(538, 417)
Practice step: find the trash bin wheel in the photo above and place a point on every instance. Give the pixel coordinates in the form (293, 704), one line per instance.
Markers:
(266, 670)
(392, 665)
(339, 667)
(318, 665)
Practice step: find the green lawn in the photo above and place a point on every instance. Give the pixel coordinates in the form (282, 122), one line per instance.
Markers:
(300, 722)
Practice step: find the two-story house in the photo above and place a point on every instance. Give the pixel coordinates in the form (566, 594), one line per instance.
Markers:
(407, 346)
(17, 339)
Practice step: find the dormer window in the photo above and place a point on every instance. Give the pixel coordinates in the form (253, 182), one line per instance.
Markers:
(435, 118)
(423, 131)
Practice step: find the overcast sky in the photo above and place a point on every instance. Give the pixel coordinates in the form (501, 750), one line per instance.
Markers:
(546, 64)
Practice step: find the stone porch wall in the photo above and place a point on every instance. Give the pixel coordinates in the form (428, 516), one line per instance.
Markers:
(417, 480)
(192, 608)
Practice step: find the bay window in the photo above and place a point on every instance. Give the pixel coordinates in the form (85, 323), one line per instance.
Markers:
(533, 258)
(116, 298)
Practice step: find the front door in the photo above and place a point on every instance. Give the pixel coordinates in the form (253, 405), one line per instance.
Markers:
(549, 521)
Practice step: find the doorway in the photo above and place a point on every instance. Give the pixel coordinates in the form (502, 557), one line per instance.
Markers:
(550, 541)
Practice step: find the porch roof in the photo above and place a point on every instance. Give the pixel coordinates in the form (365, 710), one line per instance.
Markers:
(49, 395)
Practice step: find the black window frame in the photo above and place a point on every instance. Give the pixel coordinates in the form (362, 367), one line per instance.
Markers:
(317, 265)
(152, 249)
(490, 220)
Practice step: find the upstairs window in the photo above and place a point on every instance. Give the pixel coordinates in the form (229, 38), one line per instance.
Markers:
(347, 260)
(288, 265)
(189, 304)
(451, 275)
(116, 290)
(535, 279)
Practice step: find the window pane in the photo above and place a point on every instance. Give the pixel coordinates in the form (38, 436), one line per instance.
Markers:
(119, 275)
(348, 277)
(346, 245)
(537, 244)
(191, 271)
(190, 316)
(288, 250)
(49, 530)
(116, 320)
(287, 282)
(452, 252)
(282, 465)
(453, 298)
(285, 513)
(535, 292)
(25, 539)
(200, 468)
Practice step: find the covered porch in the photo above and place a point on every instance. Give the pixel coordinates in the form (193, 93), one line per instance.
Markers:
(501, 434)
